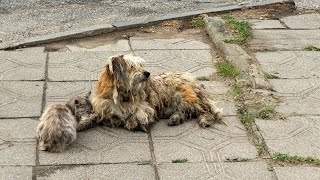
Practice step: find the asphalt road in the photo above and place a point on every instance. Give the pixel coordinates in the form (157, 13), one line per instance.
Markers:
(20, 19)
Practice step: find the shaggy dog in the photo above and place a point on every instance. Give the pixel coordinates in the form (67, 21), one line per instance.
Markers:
(59, 123)
(127, 95)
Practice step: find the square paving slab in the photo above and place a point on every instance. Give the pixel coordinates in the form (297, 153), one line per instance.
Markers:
(16, 172)
(167, 44)
(214, 144)
(215, 171)
(102, 145)
(109, 171)
(73, 66)
(299, 135)
(299, 173)
(22, 65)
(20, 98)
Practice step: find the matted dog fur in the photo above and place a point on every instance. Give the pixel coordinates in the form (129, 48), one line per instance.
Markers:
(127, 95)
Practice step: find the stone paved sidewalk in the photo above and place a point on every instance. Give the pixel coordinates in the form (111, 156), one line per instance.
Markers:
(297, 84)
(32, 78)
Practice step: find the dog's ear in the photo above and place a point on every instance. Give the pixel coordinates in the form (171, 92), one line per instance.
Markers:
(119, 70)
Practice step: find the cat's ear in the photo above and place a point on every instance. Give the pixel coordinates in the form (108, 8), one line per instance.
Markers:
(87, 95)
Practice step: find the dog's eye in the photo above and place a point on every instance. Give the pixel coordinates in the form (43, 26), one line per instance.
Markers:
(132, 66)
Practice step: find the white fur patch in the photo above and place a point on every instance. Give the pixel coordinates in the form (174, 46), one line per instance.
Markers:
(133, 60)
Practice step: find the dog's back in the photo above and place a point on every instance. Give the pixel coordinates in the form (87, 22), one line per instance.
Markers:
(57, 128)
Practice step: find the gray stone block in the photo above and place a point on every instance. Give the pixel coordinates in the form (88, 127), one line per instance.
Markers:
(188, 140)
(284, 39)
(16, 173)
(290, 64)
(62, 91)
(18, 129)
(105, 171)
(299, 135)
(152, 44)
(266, 24)
(119, 46)
(22, 65)
(215, 171)
(102, 145)
(20, 98)
(300, 106)
(14, 153)
(289, 173)
(304, 21)
(196, 62)
(215, 87)
(71, 66)
(228, 108)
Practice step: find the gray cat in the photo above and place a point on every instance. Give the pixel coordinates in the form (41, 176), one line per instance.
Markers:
(60, 122)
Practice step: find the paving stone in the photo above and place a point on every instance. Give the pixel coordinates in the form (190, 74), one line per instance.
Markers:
(266, 24)
(72, 66)
(300, 96)
(14, 153)
(301, 173)
(296, 87)
(110, 171)
(25, 65)
(102, 145)
(16, 173)
(304, 21)
(215, 87)
(228, 108)
(180, 43)
(62, 91)
(290, 64)
(284, 39)
(215, 171)
(197, 62)
(18, 129)
(214, 144)
(20, 98)
(121, 45)
(299, 135)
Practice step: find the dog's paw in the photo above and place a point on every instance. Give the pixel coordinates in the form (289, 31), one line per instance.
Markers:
(204, 121)
(175, 120)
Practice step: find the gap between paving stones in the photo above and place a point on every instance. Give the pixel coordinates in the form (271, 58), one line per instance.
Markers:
(101, 29)
(250, 69)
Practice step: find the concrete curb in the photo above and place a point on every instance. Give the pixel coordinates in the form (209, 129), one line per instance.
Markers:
(251, 71)
(101, 29)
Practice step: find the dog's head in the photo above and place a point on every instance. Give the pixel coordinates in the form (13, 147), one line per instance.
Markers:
(125, 76)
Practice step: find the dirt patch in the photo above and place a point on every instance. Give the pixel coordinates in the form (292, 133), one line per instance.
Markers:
(275, 11)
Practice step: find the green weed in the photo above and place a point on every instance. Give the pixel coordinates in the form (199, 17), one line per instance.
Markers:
(242, 29)
(311, 48)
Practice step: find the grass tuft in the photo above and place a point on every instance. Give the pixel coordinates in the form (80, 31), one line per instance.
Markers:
(242, 29)
(197, 22)
(311, 48)
(180, 160)
(226, 69)
(264, 111)
(296, 159)
(269, 50)
(270, 76)
(203, 78)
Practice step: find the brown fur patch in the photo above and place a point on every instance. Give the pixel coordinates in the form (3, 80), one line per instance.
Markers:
(105, 84)
(189, 95)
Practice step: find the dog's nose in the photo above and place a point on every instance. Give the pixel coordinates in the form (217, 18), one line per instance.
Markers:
(146, 74)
